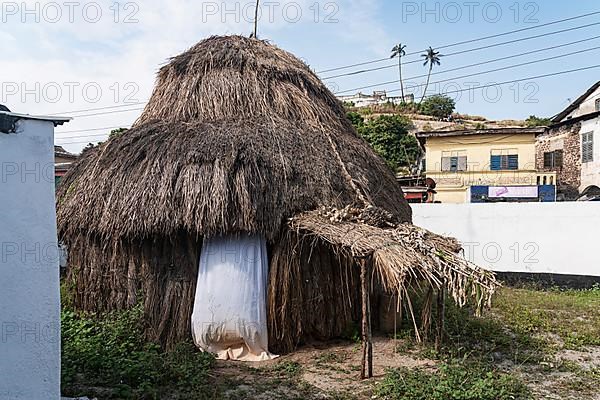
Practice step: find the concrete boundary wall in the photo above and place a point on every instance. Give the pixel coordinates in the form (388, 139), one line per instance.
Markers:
(29, 274)
(549, 238)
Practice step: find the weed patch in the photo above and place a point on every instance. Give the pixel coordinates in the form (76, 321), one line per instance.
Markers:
(452, 381)
(108, 357)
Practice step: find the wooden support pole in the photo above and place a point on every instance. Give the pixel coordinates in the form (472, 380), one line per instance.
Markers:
(367, 344)
(441, 315)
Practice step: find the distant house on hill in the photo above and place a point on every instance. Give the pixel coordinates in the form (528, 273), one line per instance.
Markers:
(571, 146)
(377, 98)
(62, 162)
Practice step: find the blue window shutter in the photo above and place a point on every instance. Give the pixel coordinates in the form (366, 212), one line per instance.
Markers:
(496, 163)
(513, 162)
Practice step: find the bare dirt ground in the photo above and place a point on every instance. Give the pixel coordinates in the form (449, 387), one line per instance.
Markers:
(549, 340)
(332, 371)
(322, 370)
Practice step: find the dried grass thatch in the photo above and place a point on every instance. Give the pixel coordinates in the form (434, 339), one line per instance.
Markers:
(401, 253)
(240, 136)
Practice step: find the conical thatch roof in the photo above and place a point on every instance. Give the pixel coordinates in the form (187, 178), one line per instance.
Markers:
(238, 136)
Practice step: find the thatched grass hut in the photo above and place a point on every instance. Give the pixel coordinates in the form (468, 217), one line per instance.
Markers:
(241, 136)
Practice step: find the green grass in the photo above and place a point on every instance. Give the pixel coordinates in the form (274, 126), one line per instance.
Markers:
(453, 380)
(526, 328)
(572, 315)
(108, 357)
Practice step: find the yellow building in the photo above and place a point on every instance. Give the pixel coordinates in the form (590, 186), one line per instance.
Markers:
(501, 162)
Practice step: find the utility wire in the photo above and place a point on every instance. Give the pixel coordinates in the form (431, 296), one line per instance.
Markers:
(83, 136)
(108, 112)
(467, 51)
(408, 62)
(466, 89)
(477, 73)
(505, 58)
(516, 80)
(94, 129)
(467, 41)
(82, 142)
(102, 108)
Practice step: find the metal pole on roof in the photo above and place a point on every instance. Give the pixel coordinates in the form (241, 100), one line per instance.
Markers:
(256, 18)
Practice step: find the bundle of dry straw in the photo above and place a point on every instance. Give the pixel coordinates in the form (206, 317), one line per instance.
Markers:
(402, 254)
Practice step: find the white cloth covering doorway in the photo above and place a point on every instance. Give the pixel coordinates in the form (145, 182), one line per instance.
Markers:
(230, 310)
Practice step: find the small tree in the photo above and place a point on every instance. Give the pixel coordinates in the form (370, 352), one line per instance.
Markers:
(534, 121)
(356, 119)
(389, 136)
(439, 106)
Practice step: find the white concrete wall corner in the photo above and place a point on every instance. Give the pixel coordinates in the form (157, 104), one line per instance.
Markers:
(557, 238)
(29, 272)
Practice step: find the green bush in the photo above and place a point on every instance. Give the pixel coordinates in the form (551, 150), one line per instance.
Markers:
(439, 106)
(356, 119)
(452, 381)
(389, 136)
(534, 121)
(111, 353)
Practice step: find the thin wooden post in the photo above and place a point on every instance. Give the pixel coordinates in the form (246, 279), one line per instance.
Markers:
(367, 344)
(441, 311)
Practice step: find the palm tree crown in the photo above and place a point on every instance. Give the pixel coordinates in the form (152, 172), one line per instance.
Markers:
(398, 50)
(432, 58)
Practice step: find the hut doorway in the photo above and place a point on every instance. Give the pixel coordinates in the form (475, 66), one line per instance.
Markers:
(230, 311)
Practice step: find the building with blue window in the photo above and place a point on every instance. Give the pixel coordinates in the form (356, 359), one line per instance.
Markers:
(486, 165)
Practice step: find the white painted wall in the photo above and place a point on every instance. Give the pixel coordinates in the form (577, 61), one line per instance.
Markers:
(590, 171)
(588, 106)
(559, 238)
(29, 273)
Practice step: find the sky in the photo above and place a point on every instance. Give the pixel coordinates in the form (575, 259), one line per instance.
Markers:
(97, 60)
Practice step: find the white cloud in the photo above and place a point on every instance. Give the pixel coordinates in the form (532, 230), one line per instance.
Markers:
(122, 58)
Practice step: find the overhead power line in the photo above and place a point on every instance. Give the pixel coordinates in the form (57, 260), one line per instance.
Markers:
(108, 112)
(468, 50)
(395, 65)
(83, 136)
(516, 80)
(448, 92)
(83, 142)
(103, 108)
(526, 53)
(94, 129)
(467, 41)
(477, 73)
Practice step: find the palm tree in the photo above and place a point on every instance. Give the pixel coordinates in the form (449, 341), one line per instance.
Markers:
(398, 51)
(432, 58)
